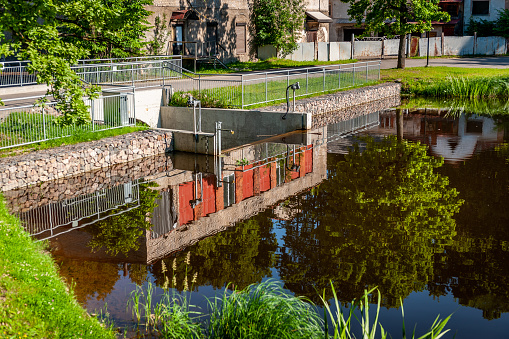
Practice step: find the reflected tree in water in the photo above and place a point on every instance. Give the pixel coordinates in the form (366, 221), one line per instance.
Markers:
(88, 279)
(120, 232)
(239, 256)
(377, 221)
(475, 266)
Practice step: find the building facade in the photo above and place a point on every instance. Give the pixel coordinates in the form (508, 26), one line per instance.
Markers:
(223, 27)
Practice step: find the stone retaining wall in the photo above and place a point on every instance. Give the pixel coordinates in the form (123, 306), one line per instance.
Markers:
(355, 111)
(341, 100)
(68, 161)
(26, 198)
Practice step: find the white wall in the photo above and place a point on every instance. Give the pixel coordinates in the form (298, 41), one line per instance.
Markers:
(495, 5)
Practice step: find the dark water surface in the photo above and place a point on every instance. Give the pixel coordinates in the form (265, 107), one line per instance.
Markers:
(302, 211)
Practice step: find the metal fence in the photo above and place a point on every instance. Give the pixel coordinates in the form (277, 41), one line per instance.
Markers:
(114, 70)
(142, 73)
(248, 90)
(23, 122)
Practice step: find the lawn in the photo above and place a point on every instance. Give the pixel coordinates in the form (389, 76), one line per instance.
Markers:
(34, 301)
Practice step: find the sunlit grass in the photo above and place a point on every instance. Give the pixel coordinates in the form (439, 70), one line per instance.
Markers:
(33, 298)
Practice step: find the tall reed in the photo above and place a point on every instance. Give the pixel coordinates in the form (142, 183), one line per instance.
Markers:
(467, 87)
(263, 311)
(342, 324)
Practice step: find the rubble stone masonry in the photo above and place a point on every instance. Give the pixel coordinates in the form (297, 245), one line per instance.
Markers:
(67, 161)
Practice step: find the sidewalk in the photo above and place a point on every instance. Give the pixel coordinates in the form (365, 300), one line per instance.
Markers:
(480, 62)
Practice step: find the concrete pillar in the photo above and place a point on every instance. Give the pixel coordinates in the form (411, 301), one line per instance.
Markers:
(239, 186)
(256, 181)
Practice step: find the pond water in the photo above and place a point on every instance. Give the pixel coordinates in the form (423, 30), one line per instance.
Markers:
(303, 211)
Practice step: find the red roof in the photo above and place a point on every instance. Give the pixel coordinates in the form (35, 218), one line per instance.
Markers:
(178, 15)
(184, 14)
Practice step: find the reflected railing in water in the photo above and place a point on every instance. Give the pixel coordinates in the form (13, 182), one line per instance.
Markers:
(46, 221)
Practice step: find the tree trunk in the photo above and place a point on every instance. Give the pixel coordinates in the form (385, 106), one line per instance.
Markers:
(399, 124)
(401, 51)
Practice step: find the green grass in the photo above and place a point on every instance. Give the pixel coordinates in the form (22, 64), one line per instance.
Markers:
(78, 136)
(34, 302)
(272, 63)
(417, 79)
(456, 106)
(266, 310)
(263, 311)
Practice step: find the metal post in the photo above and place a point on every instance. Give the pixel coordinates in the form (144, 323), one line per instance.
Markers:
(132, 76)
(323, 68)
(427, 50)
(367, 71)
(307, 80)
(379, 66)
(266, 92)
(92, 111)
(339, 77)
(218, 132)
(353, 79)
(21, 74)
(44, 121)
(242, 80)
(287, 78)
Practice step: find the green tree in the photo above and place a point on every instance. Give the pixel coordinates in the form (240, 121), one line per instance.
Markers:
(161, 36)
(394, 17)
(278, 23)
(54, 34)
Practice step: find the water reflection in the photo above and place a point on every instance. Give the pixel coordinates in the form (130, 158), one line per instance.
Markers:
(306, 209)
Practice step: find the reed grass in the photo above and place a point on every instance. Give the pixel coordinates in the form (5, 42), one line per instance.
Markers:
(263, 311)
(267, 311)
(468, 87)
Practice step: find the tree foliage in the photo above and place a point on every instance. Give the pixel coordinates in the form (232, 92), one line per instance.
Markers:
(55, 34)
(161, 36)
(396, 17)
(278, 23)
(499, 27)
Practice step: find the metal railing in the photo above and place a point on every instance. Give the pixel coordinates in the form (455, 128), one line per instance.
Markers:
(15, 73)
(142, 74)
(248, 90)
(22, 122)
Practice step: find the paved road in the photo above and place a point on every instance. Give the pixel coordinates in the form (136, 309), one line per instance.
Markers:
(217, 81)
(484, 62)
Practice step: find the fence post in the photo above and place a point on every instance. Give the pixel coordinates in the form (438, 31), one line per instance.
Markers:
(323, 68)
(242, 80)
(287, 78)
(44, 122)
(92, 111)
(339, 77)
(353, 77)
(379, 66)
(132, 75)
(266, 95)
(21, 74)
(367, 71)
(307, 80)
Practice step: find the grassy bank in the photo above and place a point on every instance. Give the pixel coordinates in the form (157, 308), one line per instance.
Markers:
(450, 81)
(34, 302)
(77, 137)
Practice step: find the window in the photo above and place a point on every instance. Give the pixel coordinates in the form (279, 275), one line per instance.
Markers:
(240, 31)
(480, 7)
